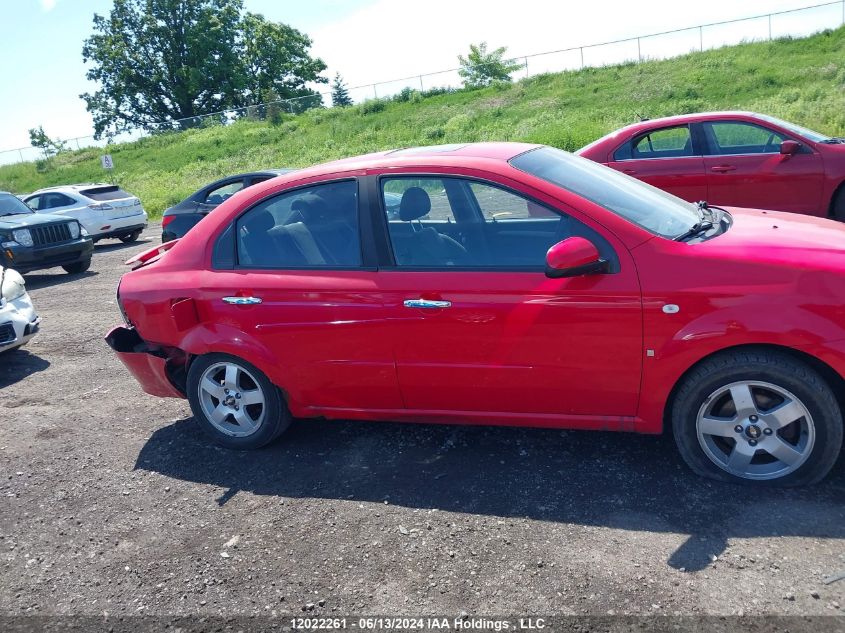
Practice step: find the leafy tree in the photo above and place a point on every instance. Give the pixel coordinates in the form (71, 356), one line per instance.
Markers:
(481, 68)
(275, 58)
(340, 95)
(50, 147)
(175, 60)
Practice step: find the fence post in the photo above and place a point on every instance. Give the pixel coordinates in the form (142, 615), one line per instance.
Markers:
(526, 67)
(770, 27)
(582, 54)
(639, 51)
(701, 37)
(843, 11)
(20, 151)
(422, 88)
(374, 91)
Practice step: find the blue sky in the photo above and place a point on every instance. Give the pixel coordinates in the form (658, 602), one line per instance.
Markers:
(367, 41)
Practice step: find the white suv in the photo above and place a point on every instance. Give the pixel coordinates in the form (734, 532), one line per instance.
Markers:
(104, 210)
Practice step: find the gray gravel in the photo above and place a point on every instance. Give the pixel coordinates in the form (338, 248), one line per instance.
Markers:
(112, 501)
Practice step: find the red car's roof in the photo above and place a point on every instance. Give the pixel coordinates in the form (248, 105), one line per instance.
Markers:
(678, 119)
(431, 155)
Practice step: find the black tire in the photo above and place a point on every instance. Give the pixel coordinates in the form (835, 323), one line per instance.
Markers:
(276, 418)
(134, 235)
(78, 267)
(837, 207)
(768, 366)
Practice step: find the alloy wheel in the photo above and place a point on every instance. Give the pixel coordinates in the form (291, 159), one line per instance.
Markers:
(755, 430)
(232, 399)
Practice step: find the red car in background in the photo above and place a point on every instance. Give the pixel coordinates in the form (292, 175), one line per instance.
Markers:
(511, 284)
(739, 159)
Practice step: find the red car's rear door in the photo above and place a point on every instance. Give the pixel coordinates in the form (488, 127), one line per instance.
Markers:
(479, 327)
(668, 158)
(746, 169)
(306, 302)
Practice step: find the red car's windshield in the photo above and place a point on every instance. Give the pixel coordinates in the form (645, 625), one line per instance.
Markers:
(646, 206)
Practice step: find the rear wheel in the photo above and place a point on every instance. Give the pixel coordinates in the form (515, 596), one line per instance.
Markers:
(234, 403)
(757, 415)
(134, 235)
(78, 267)
(837, 209)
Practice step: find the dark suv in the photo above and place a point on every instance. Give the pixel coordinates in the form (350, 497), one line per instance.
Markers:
(32, 241)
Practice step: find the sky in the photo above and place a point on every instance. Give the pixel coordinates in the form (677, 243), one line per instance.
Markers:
(371, 41)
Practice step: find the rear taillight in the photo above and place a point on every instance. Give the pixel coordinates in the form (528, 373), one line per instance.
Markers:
(167, 219)
(100, 206)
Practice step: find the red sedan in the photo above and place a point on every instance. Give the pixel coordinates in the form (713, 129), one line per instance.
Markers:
(500, 283)
(732, 158)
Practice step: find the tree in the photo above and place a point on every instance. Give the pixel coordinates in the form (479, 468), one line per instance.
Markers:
(175, 60)
(275, 58)
(481, 68)
(340, 95)
(50, 147)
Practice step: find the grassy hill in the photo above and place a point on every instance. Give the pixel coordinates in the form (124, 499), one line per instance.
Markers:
(801, 80)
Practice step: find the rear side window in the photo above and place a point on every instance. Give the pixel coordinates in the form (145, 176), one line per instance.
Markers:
(108, 192)
(313, 227)
(670, 142)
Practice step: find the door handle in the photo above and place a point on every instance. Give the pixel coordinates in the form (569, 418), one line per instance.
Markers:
(427, 304)
(242, 301)
(629, 171)
(723, 168)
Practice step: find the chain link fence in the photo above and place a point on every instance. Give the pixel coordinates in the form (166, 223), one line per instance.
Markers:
(798, 22)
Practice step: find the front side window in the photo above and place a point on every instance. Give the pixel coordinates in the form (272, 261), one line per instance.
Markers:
(312, 227)
(459, 223)
(640, 203)
(35, 202)
(734, 137)
(223, 193)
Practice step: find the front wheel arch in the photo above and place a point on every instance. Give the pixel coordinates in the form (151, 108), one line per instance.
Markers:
(838, 193)
(835, 381)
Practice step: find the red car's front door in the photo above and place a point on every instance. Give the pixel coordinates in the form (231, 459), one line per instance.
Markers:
(746, 169)
(666, 158)
(503, 337)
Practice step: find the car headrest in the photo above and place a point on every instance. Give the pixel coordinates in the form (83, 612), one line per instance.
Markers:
(261, 222)
(414, 205)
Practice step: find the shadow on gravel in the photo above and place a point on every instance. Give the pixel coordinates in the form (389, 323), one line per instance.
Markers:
(116, 245)
(41, 279)
(18, 364)
(609, 480)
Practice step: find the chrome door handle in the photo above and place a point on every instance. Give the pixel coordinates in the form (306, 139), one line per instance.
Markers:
(723, 168)
(427, 304)
(242, 301)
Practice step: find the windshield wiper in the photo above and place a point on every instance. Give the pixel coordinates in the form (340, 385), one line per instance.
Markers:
(834, 140)
(702, 225)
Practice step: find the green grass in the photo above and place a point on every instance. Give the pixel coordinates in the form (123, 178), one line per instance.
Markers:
(801, 80)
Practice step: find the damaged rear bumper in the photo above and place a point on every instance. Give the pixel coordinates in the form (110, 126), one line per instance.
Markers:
(155, 370)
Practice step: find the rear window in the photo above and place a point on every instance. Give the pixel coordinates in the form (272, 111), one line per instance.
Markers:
(109, 192)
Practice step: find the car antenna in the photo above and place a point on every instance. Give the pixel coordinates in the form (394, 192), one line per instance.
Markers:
(641, 117)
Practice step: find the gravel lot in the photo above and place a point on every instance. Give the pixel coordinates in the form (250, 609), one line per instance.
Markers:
(112, 501)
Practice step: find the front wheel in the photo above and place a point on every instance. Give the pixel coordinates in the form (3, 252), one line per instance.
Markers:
(78, 267)
(757, 415)
(131, 237)
(234, 403)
